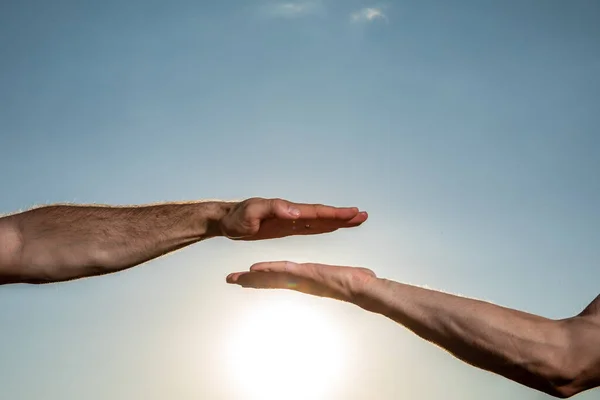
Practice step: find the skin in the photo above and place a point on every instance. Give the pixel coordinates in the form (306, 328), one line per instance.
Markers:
(558, 357)
(65, 242)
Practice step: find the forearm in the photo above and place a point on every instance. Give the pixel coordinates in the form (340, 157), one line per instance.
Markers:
(64, 242)
(525, 348)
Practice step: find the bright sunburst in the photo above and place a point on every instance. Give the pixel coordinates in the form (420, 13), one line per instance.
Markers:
(284, 350)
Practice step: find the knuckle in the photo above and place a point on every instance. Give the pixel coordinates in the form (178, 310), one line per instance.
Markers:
(252, 204)
(361, 280)
(367, 271)
(277, 203)
(253, 200)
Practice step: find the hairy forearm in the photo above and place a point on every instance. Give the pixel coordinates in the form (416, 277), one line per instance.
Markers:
(64, 242)
(522, 347)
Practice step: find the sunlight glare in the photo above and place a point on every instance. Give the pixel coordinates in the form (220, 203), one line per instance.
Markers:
(284, 350)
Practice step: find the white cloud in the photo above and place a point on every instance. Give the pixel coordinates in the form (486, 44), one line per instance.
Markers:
(368, 14)
(292, 9)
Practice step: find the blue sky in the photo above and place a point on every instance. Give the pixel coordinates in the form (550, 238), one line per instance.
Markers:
(469, 131)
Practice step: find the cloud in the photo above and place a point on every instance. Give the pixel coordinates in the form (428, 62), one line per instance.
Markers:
(368, 14)
(292, 9)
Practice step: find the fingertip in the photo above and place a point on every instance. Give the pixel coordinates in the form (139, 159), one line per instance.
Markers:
(358, 219)
(234, 277)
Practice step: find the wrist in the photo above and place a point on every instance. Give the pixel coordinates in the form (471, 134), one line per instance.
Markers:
(214, 212)
(365, 293)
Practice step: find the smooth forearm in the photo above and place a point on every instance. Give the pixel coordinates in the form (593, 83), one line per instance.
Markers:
(525, 348)
(65, 242)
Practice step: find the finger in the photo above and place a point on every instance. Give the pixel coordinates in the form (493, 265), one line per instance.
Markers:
(300, 271)
(319, 226)
(271, 208)
(267, 280)
(287, 210)
(320, 211)
(284, 209)
(264, 208)
(276, 266)
(285, 280)
(233, 277)
(358, 219)
(346, 213)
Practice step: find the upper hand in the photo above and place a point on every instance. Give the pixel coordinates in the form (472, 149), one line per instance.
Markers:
(258, 218)
(336, 282)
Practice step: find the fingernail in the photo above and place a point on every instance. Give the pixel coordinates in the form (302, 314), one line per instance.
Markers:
(294, 211)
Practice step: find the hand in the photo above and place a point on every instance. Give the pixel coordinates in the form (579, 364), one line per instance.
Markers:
(256, 219)
(341, 283)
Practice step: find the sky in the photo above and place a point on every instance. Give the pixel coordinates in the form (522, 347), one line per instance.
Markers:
(469, 130)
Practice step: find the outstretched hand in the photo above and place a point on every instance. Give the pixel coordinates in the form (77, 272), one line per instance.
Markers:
(257, 218)
(336, 282)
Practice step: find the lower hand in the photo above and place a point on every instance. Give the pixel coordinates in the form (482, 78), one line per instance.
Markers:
(336, 282)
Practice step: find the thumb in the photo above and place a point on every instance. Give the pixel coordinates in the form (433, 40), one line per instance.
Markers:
(279, 208)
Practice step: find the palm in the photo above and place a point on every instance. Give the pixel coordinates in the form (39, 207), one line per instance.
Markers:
(284, 280)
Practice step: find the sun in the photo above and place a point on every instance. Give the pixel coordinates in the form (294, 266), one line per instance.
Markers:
(284, 349)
